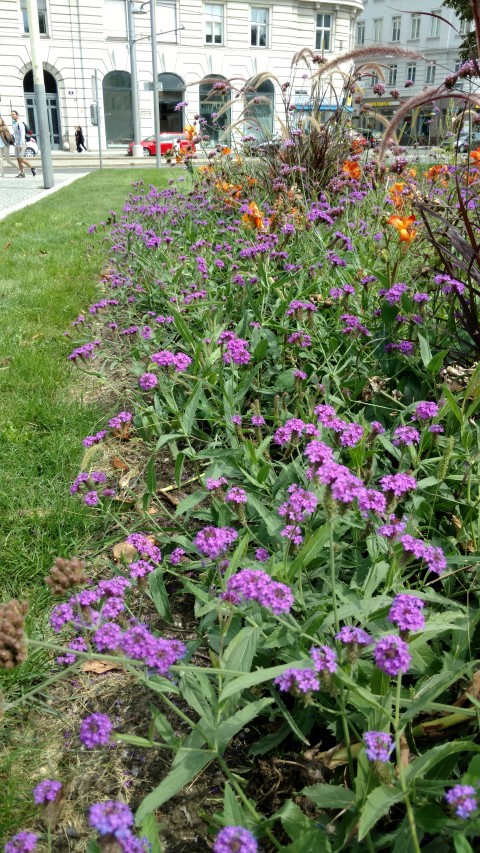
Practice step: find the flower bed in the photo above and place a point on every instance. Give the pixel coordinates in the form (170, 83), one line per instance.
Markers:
(290, 357)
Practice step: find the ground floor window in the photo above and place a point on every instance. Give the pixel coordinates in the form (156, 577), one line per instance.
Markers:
(259, 110)
(172, 94)
(117, 108)
(214, 93)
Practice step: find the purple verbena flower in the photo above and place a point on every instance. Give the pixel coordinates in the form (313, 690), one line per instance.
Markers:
(23, 842)
(46, 792)
(111, 817)
(391, 655)
(463, 800)
(378, 745)
(353, 636)
(406, 436)
(235, 839)
(95, 730)
(406, 614)
(298, 681)
(324, 659)
(213, 542)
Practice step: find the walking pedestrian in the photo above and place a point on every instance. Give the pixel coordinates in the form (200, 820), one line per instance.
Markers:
(20, 145)
(79, 139)
(5, 142)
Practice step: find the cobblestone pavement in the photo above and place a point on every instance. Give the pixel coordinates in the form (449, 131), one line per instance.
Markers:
(16, 193)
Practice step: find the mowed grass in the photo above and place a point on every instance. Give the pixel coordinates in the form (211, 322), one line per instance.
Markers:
(49, 273)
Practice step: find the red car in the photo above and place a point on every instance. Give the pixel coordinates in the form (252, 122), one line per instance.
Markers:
(167, 142)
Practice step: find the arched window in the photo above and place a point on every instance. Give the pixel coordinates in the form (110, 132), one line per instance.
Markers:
(214, 93)
(53, 110)
(117, 108)
(173, 93)
(259, 110)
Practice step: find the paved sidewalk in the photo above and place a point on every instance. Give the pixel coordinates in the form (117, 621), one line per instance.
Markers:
(16, 193)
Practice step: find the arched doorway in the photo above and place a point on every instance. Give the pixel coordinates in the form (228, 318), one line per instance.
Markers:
(53, 111)
(117, 108)
(173, 93)
(259, 110)
(214, 93)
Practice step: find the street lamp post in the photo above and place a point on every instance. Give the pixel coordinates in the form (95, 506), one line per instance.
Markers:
(132, 44)
(156, 105)
(40, 96)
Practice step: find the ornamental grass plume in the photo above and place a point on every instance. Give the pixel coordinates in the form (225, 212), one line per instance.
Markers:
(65, 574)
(13, 644)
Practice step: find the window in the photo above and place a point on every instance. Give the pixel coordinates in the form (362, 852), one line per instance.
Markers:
(392, 75)
(42, 16)
(415, 30)
(214, 24)
(430, 78)
(465, 27)
(115, 19)
(323, 33)
(258, 27)
(167, 18)
(411, 71)
(377, 30)
(435, 28)
(374, 80)
(396, 23)
(360, 33)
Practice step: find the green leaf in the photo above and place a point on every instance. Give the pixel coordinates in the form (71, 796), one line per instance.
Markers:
(151, 476)
(473, 388)
(189, 502)
(179, 468)
(134, 740)
(260, 351)
(187, 765)
(232, 812)
(182, 327)
(425, 762)
(472, 775)
(309, 550)
(330, 796)
(430, 689)
(164, 728)
(461, 844)
(150, 829)
(377, 804)
(258, 677)
(159, 594)
(452, 404)
(425, 351)
(270, 518)
(228, 729)
(240, 651)
(435, 364)
(191, 409)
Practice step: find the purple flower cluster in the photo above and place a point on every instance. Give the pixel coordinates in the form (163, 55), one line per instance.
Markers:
(378, 746)
(235, 839)
(432, 555)
(214, 542)
(147, 381)
(145, 547)
(324, 659)
(236, 495)
(297, 308)
(236, 349)
(405, 436)
(406, 613)
(450, 285)
(85, 352)
(120, 420)
(398, 484)
(391, 655)
(179, 361)
(292, 431)
(353, 325)
(23, 842)
(425, 410)
(353, 636)
(256, 585)
(301, 339)
(95, 730)
(90, 440)
(297, 681)
(300, 504)
(111, 817)
(46, 792)
(463, 800)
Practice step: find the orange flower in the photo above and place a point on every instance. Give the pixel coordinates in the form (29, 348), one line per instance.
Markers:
(206, 170)
(397, 194)
(189, 132)
(253, 217)
(475, 155)
(412, 173)
(404, 227)
(435, 171)
(226, 150)
(352, 169)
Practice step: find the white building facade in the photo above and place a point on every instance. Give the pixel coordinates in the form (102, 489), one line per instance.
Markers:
(231, 40)
(398, 24)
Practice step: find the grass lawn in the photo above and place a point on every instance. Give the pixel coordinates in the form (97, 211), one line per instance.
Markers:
(49, 273)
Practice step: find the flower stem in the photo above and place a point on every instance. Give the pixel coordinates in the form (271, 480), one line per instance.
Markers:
(401, 774)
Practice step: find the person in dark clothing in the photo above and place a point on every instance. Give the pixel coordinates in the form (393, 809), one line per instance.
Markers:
(79, 139)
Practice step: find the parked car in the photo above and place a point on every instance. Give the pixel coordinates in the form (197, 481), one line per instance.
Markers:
(463, 142)
(31, 149)
(167, 142)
